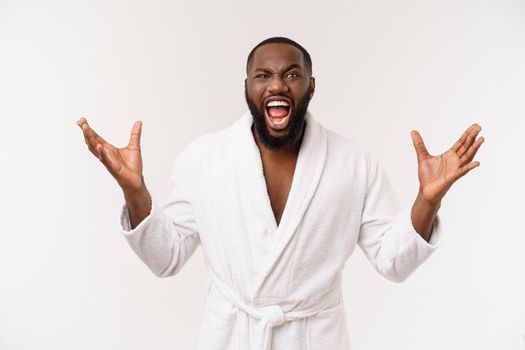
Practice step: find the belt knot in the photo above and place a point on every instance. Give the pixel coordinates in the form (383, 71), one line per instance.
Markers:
(272, 315)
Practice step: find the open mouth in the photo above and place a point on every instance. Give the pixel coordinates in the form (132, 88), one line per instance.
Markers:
(278, 114)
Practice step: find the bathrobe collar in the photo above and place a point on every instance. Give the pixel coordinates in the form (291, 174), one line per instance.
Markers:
(308, 170)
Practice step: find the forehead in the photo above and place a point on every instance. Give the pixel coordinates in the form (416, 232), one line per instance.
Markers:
(277, 55)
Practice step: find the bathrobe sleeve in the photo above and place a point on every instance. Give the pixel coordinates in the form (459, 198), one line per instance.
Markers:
(387, 236)
(168, 236)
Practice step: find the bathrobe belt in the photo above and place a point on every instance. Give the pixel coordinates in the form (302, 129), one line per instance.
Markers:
(270, 316)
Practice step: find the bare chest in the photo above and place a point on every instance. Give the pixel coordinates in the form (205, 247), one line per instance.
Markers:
(278, 177)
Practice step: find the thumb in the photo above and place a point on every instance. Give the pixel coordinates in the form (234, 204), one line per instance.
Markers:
(419, 146)
(136, 131)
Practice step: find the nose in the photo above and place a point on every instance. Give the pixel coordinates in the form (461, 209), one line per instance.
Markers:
(277, 85)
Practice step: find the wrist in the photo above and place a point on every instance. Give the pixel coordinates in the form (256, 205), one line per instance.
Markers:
(136, 195)
(139, 205)
(428, 202)
(423, 214)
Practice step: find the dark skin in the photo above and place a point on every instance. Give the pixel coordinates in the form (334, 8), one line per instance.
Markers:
(436, 173)
(279, 69)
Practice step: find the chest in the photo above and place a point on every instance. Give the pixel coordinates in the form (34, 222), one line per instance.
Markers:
(278, 177)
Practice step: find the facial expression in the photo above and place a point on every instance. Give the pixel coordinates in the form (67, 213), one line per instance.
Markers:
(278, 88)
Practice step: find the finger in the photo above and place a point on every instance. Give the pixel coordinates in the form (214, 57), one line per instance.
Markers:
(459, 143)
(466, 168)
(136, 131)
(419, 146)
(471, 152)
(104, 157)
(463, 139)
(471, 137)
(90, 136)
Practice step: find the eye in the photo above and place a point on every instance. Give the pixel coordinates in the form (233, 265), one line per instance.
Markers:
(261, 76)
(293, 75)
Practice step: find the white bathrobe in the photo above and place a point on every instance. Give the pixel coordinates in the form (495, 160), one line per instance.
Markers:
(277, 286)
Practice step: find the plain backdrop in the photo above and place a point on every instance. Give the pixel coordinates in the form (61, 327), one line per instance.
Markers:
(68, 279)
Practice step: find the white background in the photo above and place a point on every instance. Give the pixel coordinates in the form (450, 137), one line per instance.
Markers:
(68, 280)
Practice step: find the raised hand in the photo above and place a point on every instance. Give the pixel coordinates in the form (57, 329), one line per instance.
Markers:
(438, 173)
(125, 164)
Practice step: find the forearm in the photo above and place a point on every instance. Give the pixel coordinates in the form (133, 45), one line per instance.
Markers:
(423, 215)
(139, 205)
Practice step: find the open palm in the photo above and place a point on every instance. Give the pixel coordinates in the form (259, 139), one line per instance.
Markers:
(437, 173)
(125, 164)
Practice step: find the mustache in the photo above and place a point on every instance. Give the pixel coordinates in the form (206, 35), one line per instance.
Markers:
(283, 95)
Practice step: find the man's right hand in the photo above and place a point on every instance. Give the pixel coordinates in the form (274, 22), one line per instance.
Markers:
(125, 164)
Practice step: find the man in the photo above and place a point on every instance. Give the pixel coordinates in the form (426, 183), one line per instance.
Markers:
(278, 204)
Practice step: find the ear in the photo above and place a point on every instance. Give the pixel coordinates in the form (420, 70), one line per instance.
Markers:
(312, 86)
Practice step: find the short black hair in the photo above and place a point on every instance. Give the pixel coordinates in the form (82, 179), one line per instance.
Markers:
(282, 40)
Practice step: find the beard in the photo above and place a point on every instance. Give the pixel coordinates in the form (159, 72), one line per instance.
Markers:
(295, 128)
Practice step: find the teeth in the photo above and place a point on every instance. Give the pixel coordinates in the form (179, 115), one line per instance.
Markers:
(277, 104)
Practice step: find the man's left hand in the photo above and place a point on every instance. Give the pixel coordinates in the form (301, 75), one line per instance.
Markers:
(438, 173)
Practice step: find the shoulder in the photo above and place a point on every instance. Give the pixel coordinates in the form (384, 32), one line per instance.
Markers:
(218, 143)
(204, 144)
(201, 150)
(345, 147)
(344, 150)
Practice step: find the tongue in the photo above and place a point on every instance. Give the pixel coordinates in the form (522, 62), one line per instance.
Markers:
(277, 112)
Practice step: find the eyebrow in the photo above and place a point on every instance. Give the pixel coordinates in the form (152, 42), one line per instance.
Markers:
(267, 70)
